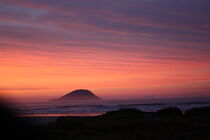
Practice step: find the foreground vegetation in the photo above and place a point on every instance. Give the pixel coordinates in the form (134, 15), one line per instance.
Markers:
(128, 124)
(132, 124)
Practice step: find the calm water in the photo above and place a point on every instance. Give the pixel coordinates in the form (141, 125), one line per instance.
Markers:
(100, 107)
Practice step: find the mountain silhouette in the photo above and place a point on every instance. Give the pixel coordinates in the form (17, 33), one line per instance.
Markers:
(80, 94)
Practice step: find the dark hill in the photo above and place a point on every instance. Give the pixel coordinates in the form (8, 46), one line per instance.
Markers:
(80, 94)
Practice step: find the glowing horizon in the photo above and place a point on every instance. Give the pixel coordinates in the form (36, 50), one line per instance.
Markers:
(120, 49)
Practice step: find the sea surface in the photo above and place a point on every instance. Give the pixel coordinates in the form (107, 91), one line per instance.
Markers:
(50, 108)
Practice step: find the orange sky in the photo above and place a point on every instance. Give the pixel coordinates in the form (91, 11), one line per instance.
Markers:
(109, 75)
(48, 50)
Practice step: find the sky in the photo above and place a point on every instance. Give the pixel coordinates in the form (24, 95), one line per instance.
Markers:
(115, 48)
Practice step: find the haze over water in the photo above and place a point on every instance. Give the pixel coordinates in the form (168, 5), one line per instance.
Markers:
(82, 108)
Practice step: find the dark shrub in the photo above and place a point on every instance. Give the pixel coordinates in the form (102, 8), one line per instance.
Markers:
(170, 111)
(124, 113)
(203, 111)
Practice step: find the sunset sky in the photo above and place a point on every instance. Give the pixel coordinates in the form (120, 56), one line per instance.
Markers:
(115, 48)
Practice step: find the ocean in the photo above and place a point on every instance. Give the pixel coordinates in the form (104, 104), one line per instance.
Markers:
(50, 108)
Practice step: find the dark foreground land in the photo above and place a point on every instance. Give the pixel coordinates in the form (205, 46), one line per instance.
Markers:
(127, 124)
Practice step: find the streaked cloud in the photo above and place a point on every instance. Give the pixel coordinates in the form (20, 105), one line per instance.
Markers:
(127, 43)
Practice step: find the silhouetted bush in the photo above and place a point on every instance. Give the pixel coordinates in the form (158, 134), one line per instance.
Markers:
(204, 111)
(128, 124)
(124, 113)
(170, 111)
